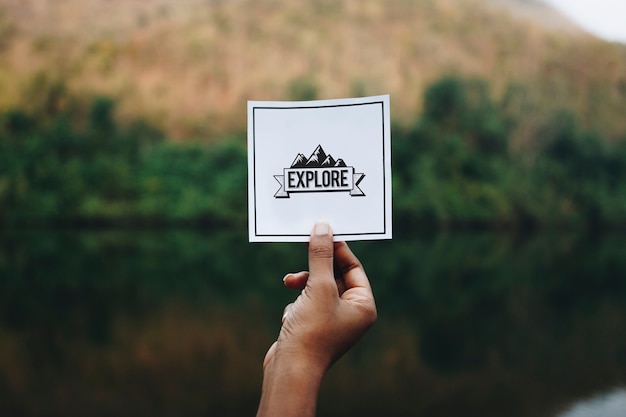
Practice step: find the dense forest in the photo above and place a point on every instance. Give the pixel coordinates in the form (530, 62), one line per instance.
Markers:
(67, 160)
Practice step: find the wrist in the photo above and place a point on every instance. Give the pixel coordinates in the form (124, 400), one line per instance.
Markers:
(291, 384)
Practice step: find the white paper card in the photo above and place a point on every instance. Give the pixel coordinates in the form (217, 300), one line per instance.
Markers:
(319, 160)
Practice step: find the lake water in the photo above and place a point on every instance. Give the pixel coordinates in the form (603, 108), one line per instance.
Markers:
(176, 323)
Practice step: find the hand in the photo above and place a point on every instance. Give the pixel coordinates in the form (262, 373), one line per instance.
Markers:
(335, 308)
(332, 312)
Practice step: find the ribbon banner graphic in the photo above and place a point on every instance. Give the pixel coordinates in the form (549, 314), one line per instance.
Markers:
(319, 173)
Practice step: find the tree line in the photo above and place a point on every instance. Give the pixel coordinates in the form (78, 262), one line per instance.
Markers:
(70, 161)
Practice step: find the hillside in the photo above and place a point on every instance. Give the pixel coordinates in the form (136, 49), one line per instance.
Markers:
(190, 65)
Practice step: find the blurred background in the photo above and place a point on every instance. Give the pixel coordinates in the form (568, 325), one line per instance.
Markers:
(128, 287)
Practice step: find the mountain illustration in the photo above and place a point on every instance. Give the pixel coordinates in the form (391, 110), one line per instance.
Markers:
(329, 161)
(318, 159)
(299, 162)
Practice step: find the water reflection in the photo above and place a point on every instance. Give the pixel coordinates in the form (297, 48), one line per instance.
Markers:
(176, 323)
(611, 404)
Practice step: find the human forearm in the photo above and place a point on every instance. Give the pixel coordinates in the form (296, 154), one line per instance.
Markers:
(290, 387)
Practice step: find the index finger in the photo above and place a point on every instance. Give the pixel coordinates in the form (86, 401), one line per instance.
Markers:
(348, 264)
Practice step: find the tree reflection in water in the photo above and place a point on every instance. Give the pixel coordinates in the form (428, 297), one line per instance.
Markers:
(176, 323)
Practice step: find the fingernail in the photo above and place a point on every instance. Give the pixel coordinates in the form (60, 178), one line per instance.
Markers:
(321, 229)
(285, 277)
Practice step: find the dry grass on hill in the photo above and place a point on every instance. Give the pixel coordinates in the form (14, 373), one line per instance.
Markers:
(190, 65)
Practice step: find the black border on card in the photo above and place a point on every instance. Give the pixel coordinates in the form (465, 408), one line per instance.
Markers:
(382, 107)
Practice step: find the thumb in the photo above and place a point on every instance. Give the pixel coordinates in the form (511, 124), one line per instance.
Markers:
(321, 249)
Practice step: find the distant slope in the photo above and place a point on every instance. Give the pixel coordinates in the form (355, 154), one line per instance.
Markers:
(190, 65)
